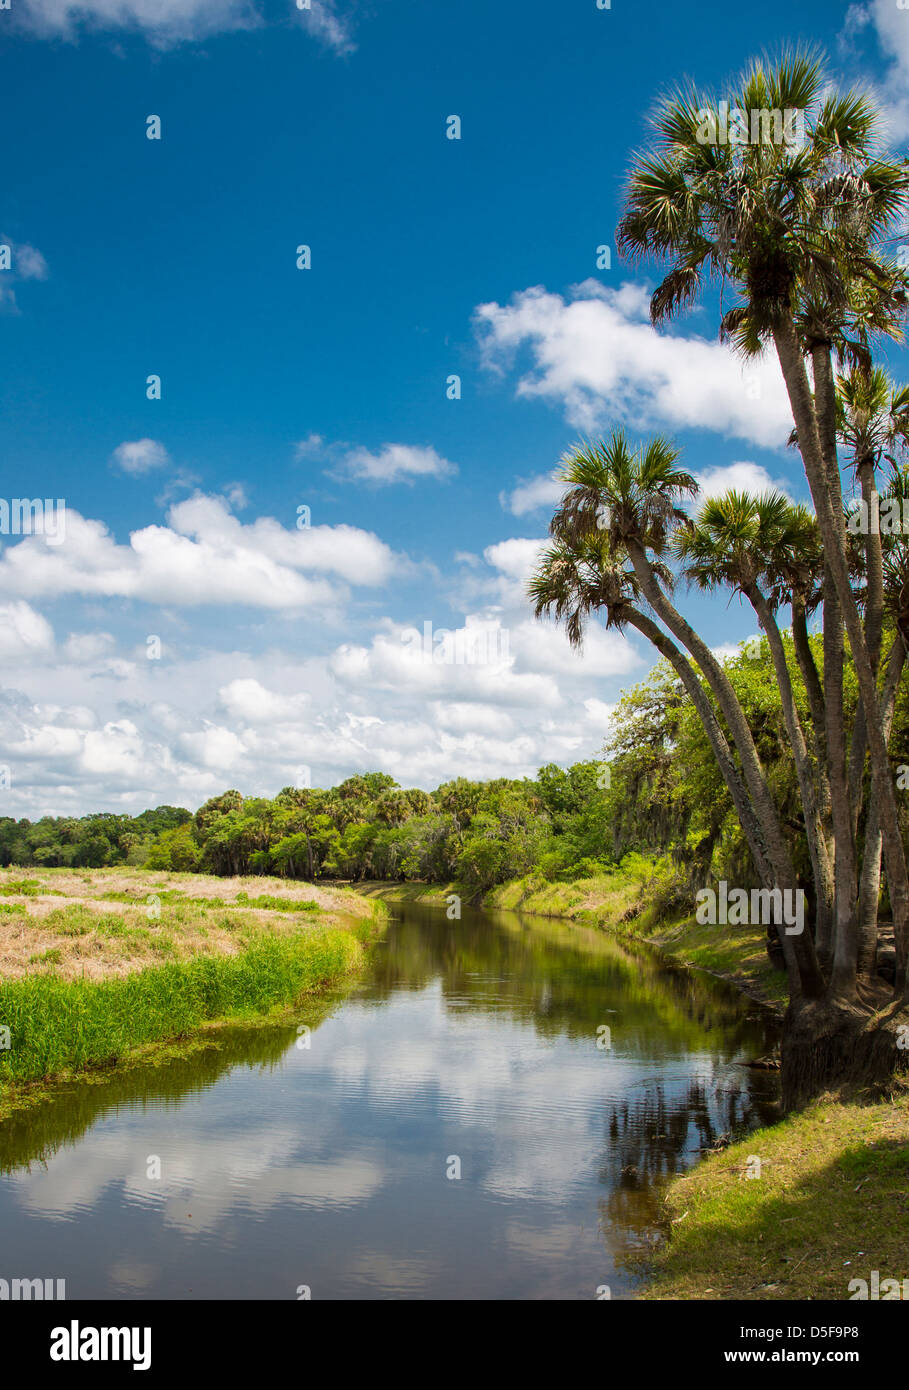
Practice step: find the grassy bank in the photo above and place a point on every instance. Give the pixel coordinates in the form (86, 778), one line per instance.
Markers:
(831, 1204)
(96, 967)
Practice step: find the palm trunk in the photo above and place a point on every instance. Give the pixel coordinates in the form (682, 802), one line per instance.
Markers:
(721, 750)
(874, 626)
(802, 948)
(832, 532)
(730, 774)
(822, 868)
(870, 886)
(846, 933)
(813, 688)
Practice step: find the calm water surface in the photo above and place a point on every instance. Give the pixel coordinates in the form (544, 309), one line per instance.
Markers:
(470, 1043)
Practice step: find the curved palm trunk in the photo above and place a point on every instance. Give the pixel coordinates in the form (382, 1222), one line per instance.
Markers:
(845, 823)
(813, 688)
(722, 752)
(870, 887)
(730, 774)
(845, 937)
(802, 947)
(800, 399)
(874, 625)
(822, 867)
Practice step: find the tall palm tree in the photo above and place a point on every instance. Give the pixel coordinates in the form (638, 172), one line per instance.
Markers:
(799, 230)
(580, 576)
(748, 544)
(630, 496)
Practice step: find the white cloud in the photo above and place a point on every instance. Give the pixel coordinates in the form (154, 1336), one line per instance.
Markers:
(204, 556)
(164, 22)
(596, 355)
(887, 21)
(135, 733)
(308, 447)
(515, 558)
(23, 632)
(542, 646)
(168, 22)
(26, 263)
(249, 700)
(140, 456)
(323, 21)
(85, 647)
(544, 492)
(396, 463)
(743, 476)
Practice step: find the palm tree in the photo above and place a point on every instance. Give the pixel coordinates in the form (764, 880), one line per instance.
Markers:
(631, 496)
(748, 544)
(579, 576)
(798, 229)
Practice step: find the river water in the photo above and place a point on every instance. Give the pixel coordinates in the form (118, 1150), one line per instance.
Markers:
(456, 1128)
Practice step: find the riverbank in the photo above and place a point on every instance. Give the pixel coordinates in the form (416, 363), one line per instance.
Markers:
(99, 967)
(826, 1202)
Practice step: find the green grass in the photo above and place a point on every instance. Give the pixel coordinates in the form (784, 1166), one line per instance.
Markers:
(274, 904)
(267, 901)
(831, 1204)
(21, 888)
(58, 1026)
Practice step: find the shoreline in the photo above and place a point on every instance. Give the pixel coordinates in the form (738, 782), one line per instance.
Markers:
(161, 970)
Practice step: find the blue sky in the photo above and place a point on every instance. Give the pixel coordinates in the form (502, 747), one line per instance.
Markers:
(284, 649)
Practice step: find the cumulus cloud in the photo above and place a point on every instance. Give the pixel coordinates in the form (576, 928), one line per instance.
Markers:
(596, 355)
(85, 647)
(168, 22)
(743, 476)
(885, 22)
(140, 456)
(395, 463)
(542, 493)
(164, 22)
(308, 447)
(203, 556)
(20, 262)
(248, 699)
(493, 693)
(325, 22)
(23, 632)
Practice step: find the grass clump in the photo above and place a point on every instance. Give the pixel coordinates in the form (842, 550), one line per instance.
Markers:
(20, 888)
(57, 1025)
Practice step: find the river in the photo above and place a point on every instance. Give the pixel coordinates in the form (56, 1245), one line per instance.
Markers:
(488, 1113)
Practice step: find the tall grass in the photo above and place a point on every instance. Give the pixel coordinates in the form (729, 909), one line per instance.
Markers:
(58, 1025)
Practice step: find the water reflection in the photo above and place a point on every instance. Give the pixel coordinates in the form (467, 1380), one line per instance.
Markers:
(468, 1045)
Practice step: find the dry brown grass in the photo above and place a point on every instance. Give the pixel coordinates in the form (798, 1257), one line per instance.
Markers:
(65, 925)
